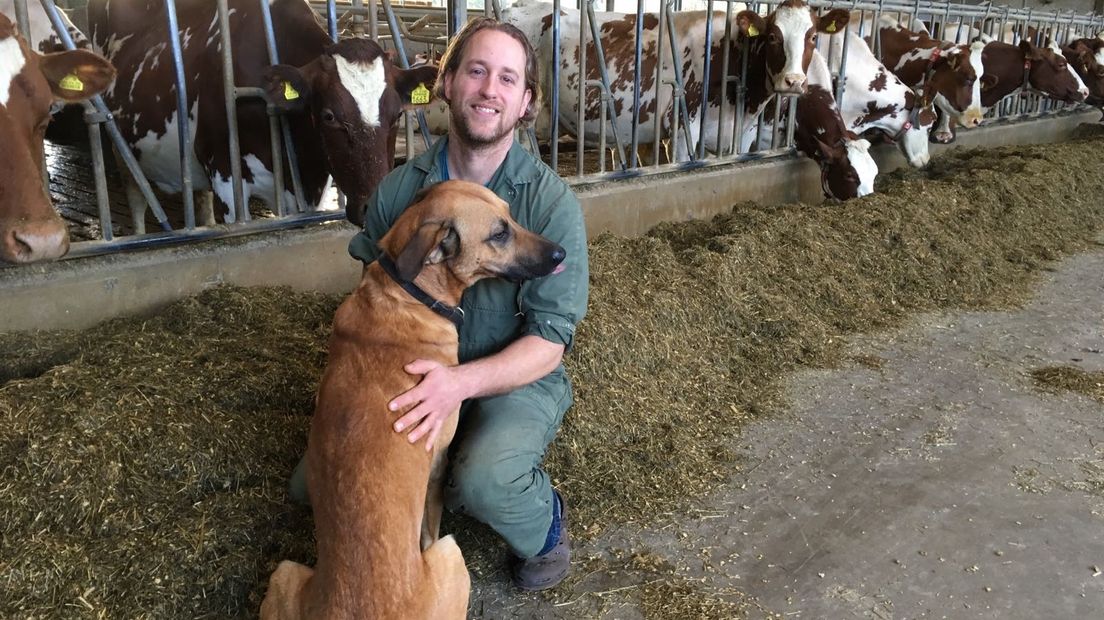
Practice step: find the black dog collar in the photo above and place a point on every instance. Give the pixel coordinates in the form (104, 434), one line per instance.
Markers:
(452, 313)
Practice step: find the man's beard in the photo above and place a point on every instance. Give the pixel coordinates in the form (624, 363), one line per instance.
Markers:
(465, 135)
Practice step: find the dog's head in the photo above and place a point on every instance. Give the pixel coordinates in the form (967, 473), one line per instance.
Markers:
(466, 232)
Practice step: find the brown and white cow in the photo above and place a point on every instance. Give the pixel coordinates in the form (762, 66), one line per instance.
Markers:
(781, 50)
(1086, 57)
(30, 229)
(951, 74)
(343, 99)
(846, 168)
(1010, 69)
(876, 99)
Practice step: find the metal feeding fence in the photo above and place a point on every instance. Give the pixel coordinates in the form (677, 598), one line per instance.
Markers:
(605, 149)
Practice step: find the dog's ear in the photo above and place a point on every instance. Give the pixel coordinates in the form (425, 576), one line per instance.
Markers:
(410, 260)
(432, 243)
(448, 247)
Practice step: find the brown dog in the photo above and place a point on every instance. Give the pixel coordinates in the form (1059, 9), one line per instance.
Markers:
(375, 523)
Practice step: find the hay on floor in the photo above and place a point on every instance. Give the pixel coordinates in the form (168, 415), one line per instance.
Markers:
(143, 462)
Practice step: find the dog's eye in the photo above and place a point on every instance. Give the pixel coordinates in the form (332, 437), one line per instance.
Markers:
(501, 236)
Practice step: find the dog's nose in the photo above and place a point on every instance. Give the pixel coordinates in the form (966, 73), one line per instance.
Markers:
(558, 254)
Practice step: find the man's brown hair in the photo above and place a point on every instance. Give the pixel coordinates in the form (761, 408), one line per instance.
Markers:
(454, 54)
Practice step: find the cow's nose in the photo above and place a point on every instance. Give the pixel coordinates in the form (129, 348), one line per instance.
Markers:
(794, 81)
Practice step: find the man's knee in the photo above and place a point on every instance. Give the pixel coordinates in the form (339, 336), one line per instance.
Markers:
(483, 483)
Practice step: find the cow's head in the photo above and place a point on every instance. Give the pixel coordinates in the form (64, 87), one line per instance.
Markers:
(790, 33)
(355, 96)
(913, 139)
(1049, 72)
(955, 74)
(30, 229)
(1084, 55)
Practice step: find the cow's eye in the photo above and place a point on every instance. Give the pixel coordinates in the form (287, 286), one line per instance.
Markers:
(328, 116)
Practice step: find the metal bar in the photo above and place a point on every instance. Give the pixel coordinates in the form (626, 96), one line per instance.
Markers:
(22, 20)
(331, 21)
(639, 36)
(726, 60)
(741, 101)
(103, 200)
(554, 96)
(580, 128)
(600, 62)
(185, 141)
(681, 93)
(457, 16)
(792, 100)
(841, 83)
(373, 20)
(112, 129)
(285, 126)
(705, 78)
(230, 101)
(658, 114)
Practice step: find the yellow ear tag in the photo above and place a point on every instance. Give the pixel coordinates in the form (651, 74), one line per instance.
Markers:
(831, 27)
(289, 92)
(72, 82)
(419, 95)
(753, 31)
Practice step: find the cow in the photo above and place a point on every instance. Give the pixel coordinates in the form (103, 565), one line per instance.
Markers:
(876, 99)
(342, 100)
(1086, 57)
(951, 75)
(1010, 69)
(30, 229)
(781, 47)
(846, 168)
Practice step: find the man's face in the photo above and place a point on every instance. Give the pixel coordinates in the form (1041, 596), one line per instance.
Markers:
(487, 90)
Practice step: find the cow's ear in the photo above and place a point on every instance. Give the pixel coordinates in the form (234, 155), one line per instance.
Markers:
(76, 75)
(988, 80)
(833, 21)
(1030, 51)
(750, 23)
(415, 86)
(287, 87)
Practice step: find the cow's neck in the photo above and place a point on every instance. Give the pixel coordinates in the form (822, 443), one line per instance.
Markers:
(1006, 63)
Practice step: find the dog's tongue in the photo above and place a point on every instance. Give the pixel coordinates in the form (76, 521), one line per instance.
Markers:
(558, 269)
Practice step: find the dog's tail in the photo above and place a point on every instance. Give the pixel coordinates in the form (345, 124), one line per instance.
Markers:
(284, 598)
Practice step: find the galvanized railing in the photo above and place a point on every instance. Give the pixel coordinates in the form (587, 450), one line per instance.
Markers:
(411, 29)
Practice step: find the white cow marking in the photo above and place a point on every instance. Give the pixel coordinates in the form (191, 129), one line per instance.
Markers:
(11, 63)
(366, 84)
(794, 23)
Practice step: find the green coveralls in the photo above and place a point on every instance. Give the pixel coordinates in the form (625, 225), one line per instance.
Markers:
(495, 472)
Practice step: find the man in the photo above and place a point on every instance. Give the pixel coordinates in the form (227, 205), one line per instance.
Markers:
(511, 379)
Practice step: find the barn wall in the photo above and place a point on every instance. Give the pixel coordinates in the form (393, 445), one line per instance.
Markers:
(79, 293)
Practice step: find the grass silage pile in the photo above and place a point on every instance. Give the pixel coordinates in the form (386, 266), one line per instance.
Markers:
(143, 463)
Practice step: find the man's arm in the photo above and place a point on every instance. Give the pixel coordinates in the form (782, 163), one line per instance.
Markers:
(443, 388)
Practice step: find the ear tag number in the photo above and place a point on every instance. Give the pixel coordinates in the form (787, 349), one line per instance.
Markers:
(831, 27)
(72, 82)
(419, 95)
(289, 92)
(753, 31)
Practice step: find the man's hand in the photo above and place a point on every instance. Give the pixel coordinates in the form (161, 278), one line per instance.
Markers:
(436, 397)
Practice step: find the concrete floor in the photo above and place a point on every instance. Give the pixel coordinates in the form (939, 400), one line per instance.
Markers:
(932, 480)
